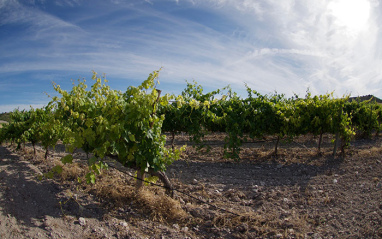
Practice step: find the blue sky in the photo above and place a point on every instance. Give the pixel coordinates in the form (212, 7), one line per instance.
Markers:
(286, 46)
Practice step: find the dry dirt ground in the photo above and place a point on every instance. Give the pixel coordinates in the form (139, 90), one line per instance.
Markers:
(298, 194)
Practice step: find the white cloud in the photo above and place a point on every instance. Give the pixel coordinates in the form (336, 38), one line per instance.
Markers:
(338, 57)
(285, 46)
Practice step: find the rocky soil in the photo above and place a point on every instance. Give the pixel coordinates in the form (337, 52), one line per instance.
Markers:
(296, 194)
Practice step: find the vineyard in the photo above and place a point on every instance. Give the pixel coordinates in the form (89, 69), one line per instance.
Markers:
(200, 164)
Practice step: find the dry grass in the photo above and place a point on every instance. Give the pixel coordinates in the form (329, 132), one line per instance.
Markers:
(28, 153)
(71, 172)
(160, 206)
(121, 193)
(117, 191)
(113, 189)
(252, 223)
(374, 151)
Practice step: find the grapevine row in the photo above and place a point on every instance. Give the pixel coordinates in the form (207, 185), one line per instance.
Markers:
(260, 115)
(128, 126)
(104, 123)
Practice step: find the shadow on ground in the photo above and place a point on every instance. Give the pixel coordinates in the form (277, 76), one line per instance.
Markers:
(28, 199)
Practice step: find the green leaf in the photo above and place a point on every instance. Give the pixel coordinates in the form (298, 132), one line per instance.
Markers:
(49, 175)
(57, 169)
(96, 168)
(151, 179)
(90, 178)
(130, 157)
(92, 160)
(131, 137)
(67, 159)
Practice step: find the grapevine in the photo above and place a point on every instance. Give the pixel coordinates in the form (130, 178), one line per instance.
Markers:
(124, 126)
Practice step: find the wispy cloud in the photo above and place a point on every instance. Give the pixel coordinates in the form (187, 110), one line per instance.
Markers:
(271, 45)
(340, 57)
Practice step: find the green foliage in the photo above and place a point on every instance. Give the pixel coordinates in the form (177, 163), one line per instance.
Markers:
(50, 130)
(256, 116)
(365, 116)
(5, 117)
(17, 130)
(35, 125)
(128, 125)
(107, 122)
(192, 112)
(146, 180)
(67, 159)
(54, 171)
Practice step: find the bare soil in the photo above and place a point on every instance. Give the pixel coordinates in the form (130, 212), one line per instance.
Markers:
(296, 194)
